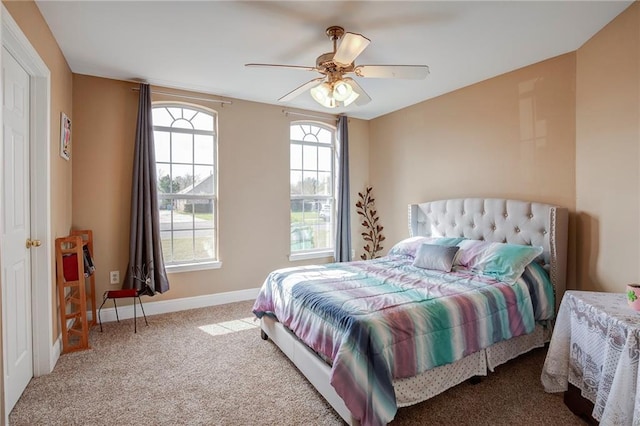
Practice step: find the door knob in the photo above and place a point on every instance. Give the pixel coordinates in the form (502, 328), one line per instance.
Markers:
(33, 243)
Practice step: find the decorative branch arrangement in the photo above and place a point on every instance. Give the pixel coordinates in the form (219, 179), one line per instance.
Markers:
(373, 231)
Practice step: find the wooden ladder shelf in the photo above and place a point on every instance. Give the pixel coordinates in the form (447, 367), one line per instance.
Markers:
(76, 292)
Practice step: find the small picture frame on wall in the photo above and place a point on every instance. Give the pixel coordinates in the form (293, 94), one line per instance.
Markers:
(65, 136)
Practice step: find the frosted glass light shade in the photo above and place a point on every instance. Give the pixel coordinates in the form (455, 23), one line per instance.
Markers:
(340, 93)
(322, 94)
(342, 90)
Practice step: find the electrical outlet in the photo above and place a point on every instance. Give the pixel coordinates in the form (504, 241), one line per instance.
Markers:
(114, 277)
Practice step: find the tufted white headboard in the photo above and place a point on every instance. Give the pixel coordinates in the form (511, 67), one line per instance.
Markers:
(500, 220)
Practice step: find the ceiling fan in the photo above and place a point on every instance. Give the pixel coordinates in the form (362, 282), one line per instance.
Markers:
(333, 89)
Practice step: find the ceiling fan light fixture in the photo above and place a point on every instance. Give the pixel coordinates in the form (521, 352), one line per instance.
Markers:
(323, 94)
(342, 90)
(340, 93)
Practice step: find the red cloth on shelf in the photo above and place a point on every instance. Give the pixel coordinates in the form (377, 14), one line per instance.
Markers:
(70, 267)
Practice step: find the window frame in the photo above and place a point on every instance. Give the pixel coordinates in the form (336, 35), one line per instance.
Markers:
(193, 264)
(304, 254)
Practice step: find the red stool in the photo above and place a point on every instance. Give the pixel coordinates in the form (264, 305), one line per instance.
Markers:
(119, 294)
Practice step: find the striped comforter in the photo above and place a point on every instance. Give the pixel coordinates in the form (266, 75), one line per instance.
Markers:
(385, 319)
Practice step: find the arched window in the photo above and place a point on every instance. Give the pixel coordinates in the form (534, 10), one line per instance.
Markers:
(312, 160)
(186, 165)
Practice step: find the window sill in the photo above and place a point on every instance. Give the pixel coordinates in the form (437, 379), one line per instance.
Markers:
(189, 267)
(311, 255)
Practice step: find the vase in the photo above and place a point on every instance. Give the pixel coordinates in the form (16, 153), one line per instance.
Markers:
(633, 296)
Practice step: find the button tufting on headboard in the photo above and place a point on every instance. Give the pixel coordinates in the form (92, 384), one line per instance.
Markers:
(499, 220)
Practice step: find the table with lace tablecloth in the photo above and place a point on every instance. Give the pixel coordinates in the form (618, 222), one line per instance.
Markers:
(596, 346)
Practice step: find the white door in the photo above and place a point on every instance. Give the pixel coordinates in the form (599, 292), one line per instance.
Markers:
(16, 265)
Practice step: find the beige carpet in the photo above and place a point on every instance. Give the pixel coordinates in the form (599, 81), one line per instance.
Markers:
(209, 367)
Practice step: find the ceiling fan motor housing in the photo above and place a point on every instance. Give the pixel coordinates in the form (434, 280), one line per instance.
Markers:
(325, 61)
(325, 65)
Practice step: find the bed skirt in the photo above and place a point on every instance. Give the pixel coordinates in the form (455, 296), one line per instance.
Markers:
(411, 390)
(432, 382)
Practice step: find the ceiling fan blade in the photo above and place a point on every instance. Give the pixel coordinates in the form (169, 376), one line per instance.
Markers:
(297, 67)
(350, 47)
(411, 72)
(363, 98)
(299, 90)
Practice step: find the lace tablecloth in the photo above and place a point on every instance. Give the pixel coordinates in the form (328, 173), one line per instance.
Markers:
(596, 347)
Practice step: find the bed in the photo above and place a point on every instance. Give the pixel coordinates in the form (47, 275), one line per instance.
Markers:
(432, 336)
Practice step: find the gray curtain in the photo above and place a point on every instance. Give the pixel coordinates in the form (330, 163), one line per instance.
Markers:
(343, 223)
(146, 271)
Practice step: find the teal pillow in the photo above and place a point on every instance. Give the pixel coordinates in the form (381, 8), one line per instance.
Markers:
(502, 261)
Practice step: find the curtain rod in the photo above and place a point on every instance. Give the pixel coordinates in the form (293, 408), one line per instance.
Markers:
(197, 98)
(300, 114)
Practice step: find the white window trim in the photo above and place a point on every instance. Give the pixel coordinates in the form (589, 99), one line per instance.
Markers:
(328, 252)
(190, 267)
(311, 255)
(207, 264)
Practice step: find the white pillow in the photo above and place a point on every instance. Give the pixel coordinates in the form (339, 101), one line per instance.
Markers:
(436, 257)
(409, 246)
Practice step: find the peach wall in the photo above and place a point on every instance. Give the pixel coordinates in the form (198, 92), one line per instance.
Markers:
(32, 24)
(103, 150)
(359, 176)
(253, 155)
(608, 155)
(512, 136)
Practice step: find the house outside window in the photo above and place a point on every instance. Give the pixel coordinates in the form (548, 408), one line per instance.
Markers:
(312, 160)
(186, 167)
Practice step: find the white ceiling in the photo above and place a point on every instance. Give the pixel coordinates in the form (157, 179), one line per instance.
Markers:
(203, 45)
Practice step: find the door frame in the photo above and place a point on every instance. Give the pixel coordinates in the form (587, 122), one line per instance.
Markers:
(13, 39)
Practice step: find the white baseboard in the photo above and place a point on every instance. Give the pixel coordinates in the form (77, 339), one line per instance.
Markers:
(54, 355)
(56, 350)
(175, 305)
